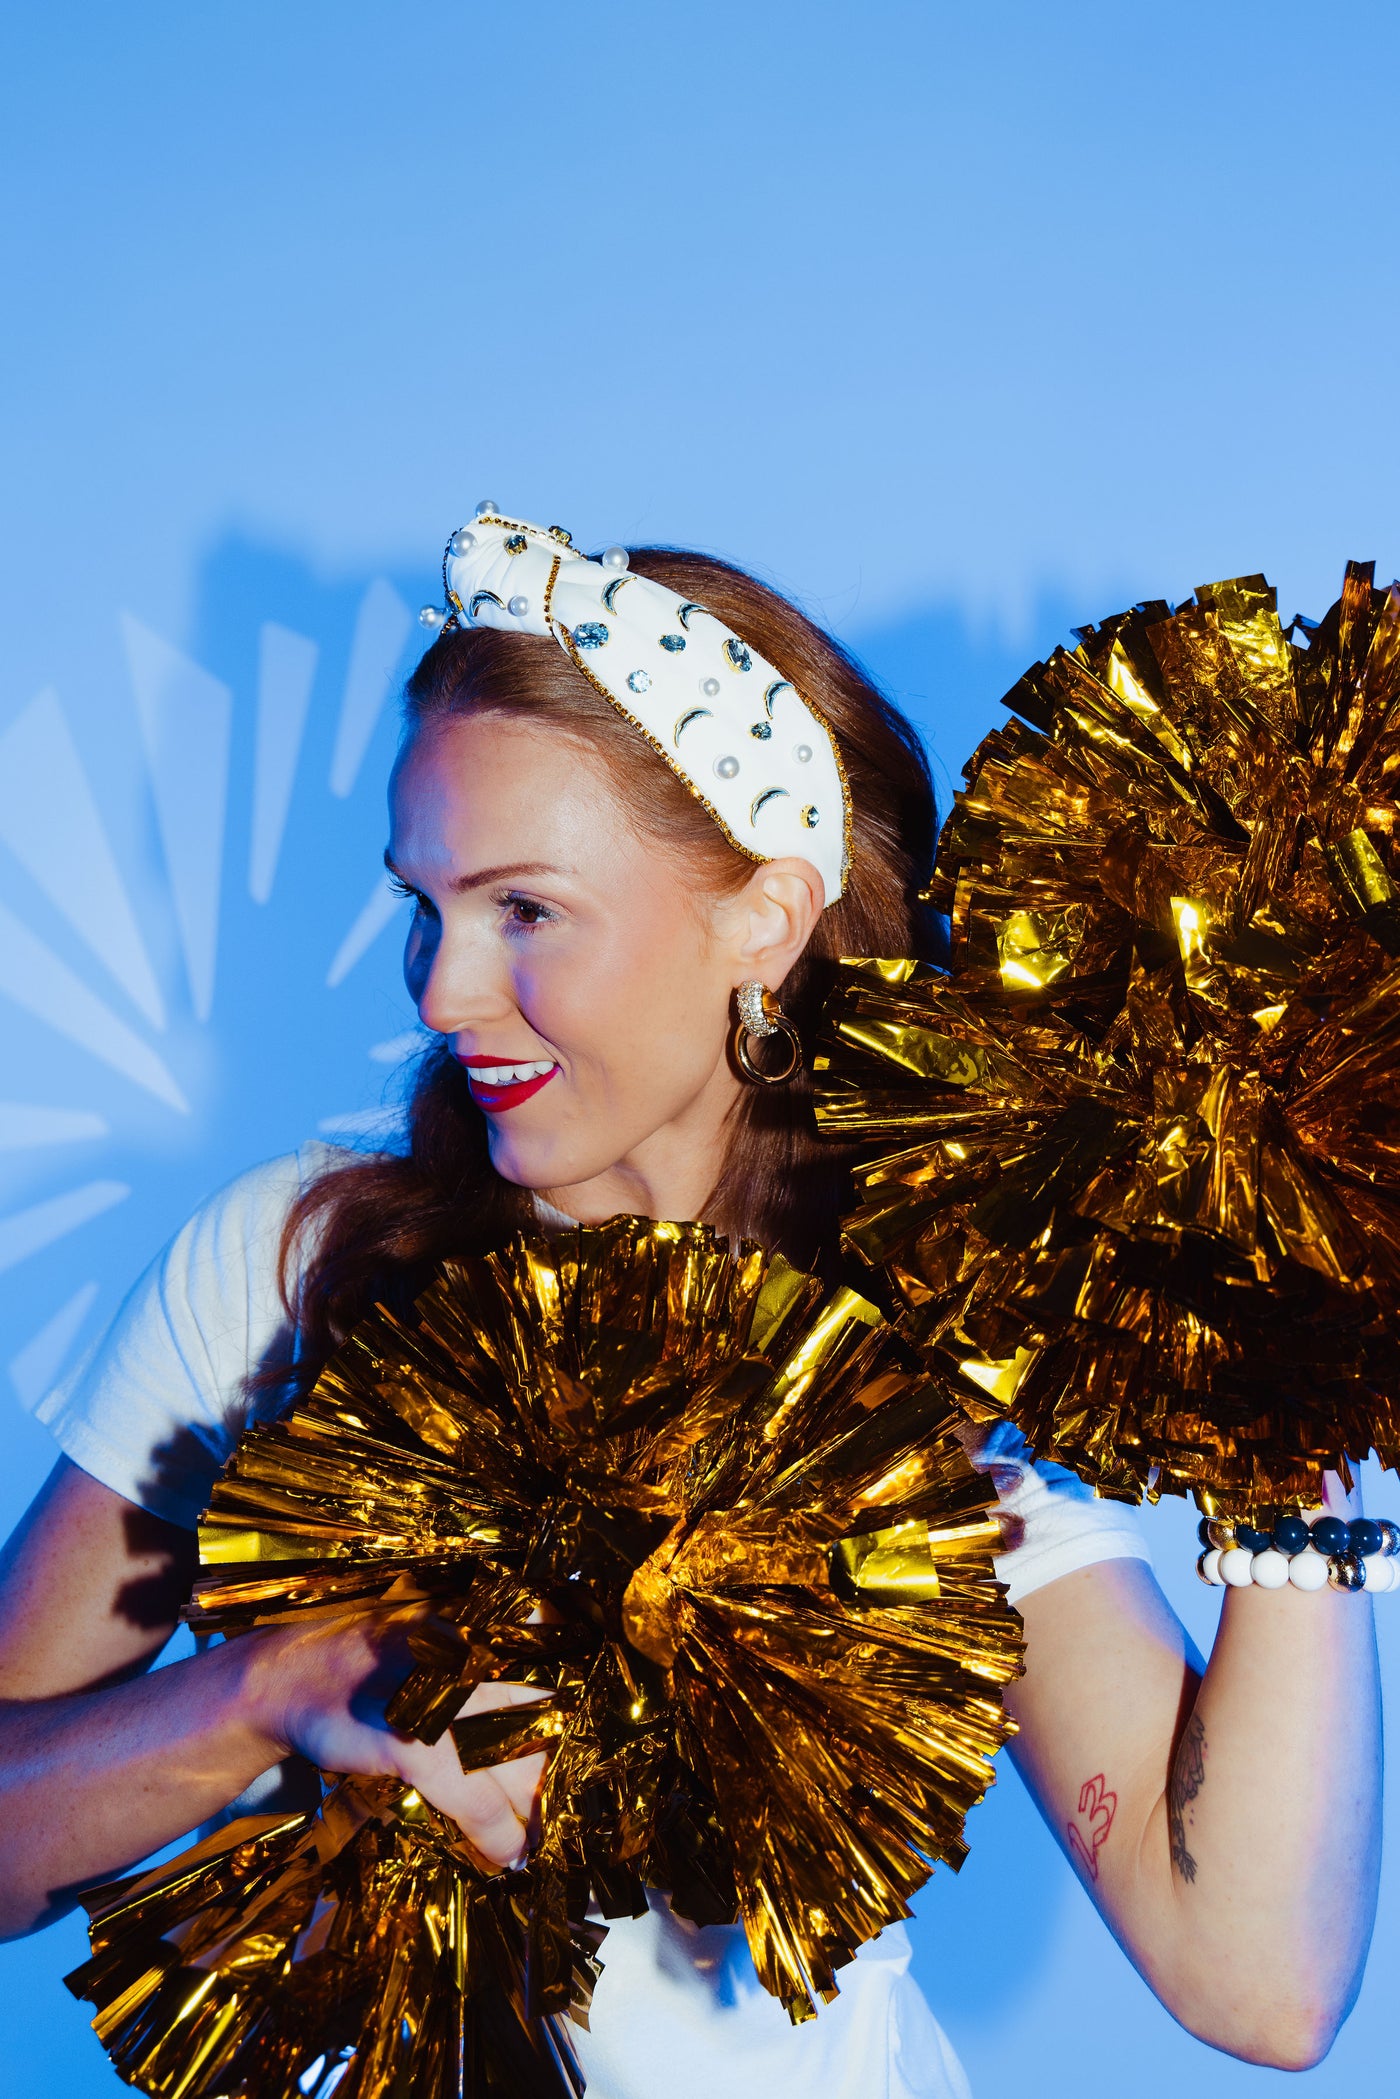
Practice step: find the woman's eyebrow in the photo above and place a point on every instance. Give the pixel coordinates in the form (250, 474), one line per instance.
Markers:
(460, 885)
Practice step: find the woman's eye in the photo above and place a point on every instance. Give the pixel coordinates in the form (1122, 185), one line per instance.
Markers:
(414, 896)
(525, 911)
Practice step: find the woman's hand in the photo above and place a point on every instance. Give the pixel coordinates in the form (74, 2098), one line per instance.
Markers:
(321, 1690)
(101, 1766)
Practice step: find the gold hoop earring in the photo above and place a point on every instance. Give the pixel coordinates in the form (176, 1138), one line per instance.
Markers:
(760, 1015)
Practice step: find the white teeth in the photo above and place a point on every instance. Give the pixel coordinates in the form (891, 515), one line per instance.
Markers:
(509, 1074)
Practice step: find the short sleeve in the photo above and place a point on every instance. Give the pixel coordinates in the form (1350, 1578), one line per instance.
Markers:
(1061, 1525)
(155, 1410)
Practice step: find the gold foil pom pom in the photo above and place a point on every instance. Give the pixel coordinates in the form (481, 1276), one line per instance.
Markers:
(723, 1521)
(1135, 1164)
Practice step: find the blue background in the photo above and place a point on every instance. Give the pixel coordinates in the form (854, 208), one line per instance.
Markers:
(962, 324)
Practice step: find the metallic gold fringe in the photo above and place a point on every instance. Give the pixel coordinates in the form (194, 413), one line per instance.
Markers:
(722, 1519)
(1135, 1165)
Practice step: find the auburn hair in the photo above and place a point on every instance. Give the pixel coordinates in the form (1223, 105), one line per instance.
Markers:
(374, 1228)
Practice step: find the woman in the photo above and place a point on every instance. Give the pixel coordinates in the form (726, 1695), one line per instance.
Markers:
(599, 861)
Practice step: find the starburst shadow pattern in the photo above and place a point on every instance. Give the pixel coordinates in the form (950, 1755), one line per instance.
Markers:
(189, 891)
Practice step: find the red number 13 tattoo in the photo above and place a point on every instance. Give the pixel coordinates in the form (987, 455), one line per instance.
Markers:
(1088, 1829)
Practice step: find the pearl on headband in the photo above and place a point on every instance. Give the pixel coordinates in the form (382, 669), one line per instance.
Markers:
(727, 722)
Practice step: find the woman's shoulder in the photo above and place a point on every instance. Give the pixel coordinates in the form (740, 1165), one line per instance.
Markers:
(260, 1198)
(229, 1250)
(155, 1408)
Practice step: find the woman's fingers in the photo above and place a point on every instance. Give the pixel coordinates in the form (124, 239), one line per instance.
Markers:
(490, 1698)
(338, 1684)
(520, 1779)
(492, 1808)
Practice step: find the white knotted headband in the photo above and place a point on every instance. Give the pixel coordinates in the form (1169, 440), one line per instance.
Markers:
(727, 722)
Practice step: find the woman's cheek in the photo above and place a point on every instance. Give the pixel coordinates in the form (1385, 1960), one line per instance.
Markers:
(576, 990)
(543, 985)
(615, 1010)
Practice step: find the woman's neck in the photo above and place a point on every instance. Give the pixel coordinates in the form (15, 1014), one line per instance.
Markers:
(671, 1175)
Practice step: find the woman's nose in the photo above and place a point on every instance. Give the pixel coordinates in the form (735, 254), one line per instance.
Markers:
(454, 986)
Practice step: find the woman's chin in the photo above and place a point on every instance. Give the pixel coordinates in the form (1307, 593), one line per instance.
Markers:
(535, 1166)
(514, 1163)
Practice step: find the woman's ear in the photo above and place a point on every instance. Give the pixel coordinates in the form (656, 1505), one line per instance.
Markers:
(772, 918)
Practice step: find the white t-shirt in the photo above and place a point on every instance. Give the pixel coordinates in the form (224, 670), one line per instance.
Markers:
(155, 1410)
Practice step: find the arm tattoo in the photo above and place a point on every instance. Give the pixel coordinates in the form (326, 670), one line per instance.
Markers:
(1188, 1776)
(1088, 1829)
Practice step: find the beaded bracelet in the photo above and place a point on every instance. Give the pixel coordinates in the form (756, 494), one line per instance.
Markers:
(1325, 1553)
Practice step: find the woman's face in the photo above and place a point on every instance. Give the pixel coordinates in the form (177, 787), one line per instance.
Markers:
(581, 979)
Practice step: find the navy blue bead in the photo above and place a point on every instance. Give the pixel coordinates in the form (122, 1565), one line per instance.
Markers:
(1251, 1539)
(1330, 1535)
(1366, 1536)
(1291, 1535)
(1203, 1532)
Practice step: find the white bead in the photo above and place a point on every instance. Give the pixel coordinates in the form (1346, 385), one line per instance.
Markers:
(485, 509)
(1270, 1570)
(1236, 1567)
(1210, 1567)
(518, 607)
(726, 768)
(709, 686)
(462, 541)
(803, 753)
(1308, 1570)
(431, 617)
(1382, 1573)
(614, 557)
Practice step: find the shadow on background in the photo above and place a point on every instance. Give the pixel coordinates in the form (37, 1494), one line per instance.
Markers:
(950, 674)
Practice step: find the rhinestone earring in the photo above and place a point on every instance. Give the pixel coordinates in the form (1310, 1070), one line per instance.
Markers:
(760, 1015)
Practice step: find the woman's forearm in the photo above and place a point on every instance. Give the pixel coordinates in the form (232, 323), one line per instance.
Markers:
(1266, 1838)
(1225, 1820)
(100, 1767)
(92, 1783)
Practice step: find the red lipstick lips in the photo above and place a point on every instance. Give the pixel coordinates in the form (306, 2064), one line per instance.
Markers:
(496, 1094)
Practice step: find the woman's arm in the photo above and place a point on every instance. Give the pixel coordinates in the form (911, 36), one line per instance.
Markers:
(1227, 1824)
(100, 1764)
